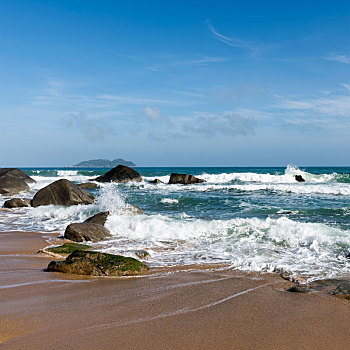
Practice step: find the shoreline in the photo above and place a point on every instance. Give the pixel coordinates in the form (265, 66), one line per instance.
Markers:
(190, 309)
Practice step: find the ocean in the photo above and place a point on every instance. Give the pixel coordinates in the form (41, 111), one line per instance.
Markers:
(254, 219)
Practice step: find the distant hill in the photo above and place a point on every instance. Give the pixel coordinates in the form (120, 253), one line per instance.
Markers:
(103, 163)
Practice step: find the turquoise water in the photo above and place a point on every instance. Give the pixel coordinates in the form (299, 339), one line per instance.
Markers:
(257, 219)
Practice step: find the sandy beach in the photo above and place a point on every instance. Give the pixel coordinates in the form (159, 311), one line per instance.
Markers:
(174, 309)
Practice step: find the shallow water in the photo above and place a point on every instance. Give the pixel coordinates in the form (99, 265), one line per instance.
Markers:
(257, 219)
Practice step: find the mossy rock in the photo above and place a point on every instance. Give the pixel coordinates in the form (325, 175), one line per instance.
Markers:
(98, 264)
(67, 248)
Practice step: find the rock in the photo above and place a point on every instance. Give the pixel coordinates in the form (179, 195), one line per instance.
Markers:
(131, 209)
(342, 289)
(10, 186)
(299, 178)
(16, 173)
(66, 249)
(336, 287)
(99, 218)
(142, 254)
(86, 232)
(62, 192)
(13, 181)
(298, 289)
(156, 181)
(98, 264)
(17, 203)
(120, 173)
(348, 256)
(87, 185)
(184, 179)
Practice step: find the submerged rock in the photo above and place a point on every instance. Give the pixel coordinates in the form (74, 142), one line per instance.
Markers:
(87, 185)
(17, 203)
(156, 181)
(66, 249)
(98, 264)
(339, 288)
(99, 218)
(86, 232)
(142, 254)
(62, 192)
(131, 209)
(120, 173)
(184, 179)
(299, 178)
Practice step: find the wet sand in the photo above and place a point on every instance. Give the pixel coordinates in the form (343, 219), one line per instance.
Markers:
(168, 309)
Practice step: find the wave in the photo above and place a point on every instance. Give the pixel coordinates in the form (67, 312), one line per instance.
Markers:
(250, 177)
(250, 244)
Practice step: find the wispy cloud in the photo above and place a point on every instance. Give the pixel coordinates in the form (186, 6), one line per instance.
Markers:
(135, 100)
(92, 129)
(338, 58)
(201, 124)
(346, 86)
(228, 123)
(332, 106)
(231, 40)
(183, 62)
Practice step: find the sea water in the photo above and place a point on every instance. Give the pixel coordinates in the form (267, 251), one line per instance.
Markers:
(257, 219)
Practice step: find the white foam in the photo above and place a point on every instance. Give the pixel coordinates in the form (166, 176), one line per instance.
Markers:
(64, 173)
(169, 200)
(249, 244)
(56, 218)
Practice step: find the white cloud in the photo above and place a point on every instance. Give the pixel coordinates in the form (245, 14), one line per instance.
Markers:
(152, 113)
(338, 58)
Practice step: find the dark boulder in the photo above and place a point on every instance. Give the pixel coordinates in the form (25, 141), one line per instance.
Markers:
(98, 219)
(13, 181)
(120, 173)
(298, 289)
(87, 185)
(17, 203)
(156, 181)
(10, 185)
(299, 178)
(98, 264)
(184, 179)
(86, 232)
(62, 192)
(348, 256)
(16, 173)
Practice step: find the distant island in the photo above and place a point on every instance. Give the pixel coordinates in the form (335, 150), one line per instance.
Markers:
(103, 163)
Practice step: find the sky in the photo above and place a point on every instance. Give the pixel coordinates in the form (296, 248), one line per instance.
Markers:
(175, 83)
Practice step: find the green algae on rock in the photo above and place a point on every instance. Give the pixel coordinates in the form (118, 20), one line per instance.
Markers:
(98, 264)
(67, 248)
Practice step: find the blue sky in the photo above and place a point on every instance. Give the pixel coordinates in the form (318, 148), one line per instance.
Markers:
(175, 83)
